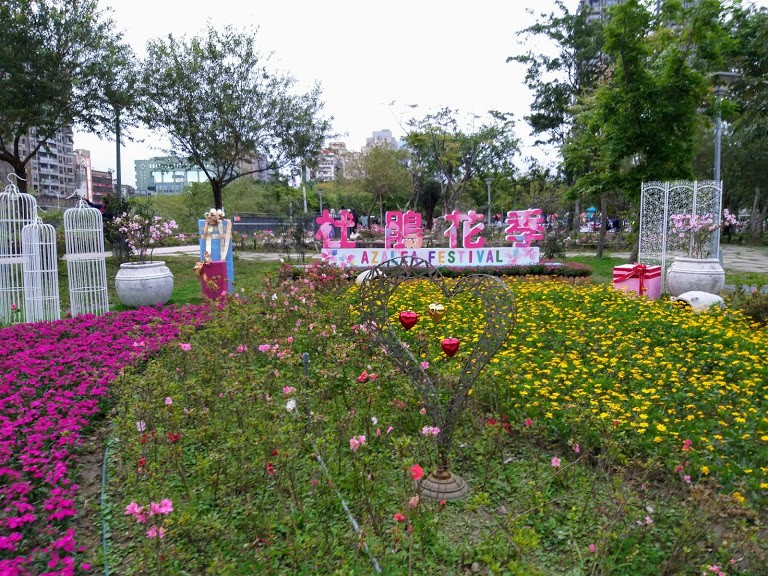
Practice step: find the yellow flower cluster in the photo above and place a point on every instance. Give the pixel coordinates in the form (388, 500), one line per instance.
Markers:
(593, 362)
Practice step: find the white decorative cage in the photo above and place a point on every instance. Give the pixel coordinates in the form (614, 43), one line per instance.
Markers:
(41, 272)
(86, 266)
(17, 209)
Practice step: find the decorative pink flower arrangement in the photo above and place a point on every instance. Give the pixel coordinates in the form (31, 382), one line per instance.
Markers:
(54, 376)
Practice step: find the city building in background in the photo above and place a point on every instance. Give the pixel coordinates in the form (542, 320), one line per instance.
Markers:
(381, 138)
(51, 172)
(101, 185)
(598, 9)
(83, 178)
(165, 175)
(170, 175)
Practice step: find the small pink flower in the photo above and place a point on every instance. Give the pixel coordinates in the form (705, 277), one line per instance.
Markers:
(242, 348)
(288, 390)
(687, 479)
(155, 532)
(413, 502)
(133, 509)
(141, 426)
(648, 520)
(528, 422)
(555, 462)
(591, 548)
(399, 517)
(424, 365)
(389, 429)
(355, 442)
(168, 400)
(185, 347)
(576, 448)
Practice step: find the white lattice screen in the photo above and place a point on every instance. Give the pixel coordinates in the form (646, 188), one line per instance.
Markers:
(658, 202)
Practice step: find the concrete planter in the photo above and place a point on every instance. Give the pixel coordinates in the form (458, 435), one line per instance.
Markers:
(695, 274)
(144, 283)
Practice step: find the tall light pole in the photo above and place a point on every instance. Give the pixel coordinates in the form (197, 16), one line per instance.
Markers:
(488, 183)
(722, 80)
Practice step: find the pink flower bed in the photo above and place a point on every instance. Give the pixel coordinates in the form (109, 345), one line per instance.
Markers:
(53, 376)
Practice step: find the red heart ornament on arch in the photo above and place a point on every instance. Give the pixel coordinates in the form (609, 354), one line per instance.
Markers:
(450, 346)
(492, 321)
(408, 319)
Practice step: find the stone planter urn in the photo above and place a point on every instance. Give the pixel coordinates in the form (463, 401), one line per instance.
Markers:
(144, 283)
(695, 274)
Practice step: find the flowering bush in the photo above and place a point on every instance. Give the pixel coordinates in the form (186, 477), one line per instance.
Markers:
(56, 376)
(699, 229)
(144, 231)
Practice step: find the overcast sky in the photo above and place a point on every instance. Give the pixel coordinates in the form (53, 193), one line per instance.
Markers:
(372, 60)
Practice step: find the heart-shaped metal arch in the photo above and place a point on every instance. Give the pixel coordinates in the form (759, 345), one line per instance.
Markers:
(499, 303)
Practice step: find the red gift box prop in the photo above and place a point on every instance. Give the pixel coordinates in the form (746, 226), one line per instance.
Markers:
(213, 278)
(638, 278)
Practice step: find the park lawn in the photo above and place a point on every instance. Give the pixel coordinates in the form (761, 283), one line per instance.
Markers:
(610, 435)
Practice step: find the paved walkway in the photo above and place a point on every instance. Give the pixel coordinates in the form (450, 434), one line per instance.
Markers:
(735, 258)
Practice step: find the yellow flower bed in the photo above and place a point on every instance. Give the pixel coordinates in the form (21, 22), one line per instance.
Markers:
(592, 364)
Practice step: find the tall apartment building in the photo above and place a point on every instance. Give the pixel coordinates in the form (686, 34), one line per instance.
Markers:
(51, 172)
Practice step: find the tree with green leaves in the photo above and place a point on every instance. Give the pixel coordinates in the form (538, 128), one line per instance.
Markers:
(745, 142)
(225, 111)
(640, 123)
(61, 64)
(387, 180)
(557, 80)
(443, 150)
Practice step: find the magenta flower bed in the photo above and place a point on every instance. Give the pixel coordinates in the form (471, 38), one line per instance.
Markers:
(53, 377)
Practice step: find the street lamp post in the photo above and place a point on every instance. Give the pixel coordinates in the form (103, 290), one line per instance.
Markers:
(320, 192)
(488, 183)
(722, 80)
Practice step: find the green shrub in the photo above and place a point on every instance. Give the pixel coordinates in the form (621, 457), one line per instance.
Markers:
(753, 303)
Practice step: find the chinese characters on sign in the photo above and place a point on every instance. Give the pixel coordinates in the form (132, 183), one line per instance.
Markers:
(403, 230)
(403, 236)
(525, 226)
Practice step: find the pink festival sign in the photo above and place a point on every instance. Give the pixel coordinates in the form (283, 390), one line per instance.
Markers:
(403, 236)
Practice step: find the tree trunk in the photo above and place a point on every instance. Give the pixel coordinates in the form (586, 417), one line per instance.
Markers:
(217, 194)
(603, 224)
(19, 170)
(574, 221)
(757, 217)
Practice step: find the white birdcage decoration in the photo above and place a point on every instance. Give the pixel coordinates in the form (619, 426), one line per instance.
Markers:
(41, 272)
(17, 209)
(86, 265)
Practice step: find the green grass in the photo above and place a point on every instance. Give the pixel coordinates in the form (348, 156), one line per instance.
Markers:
(249, 274)
(659, 443)
(602, 268)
